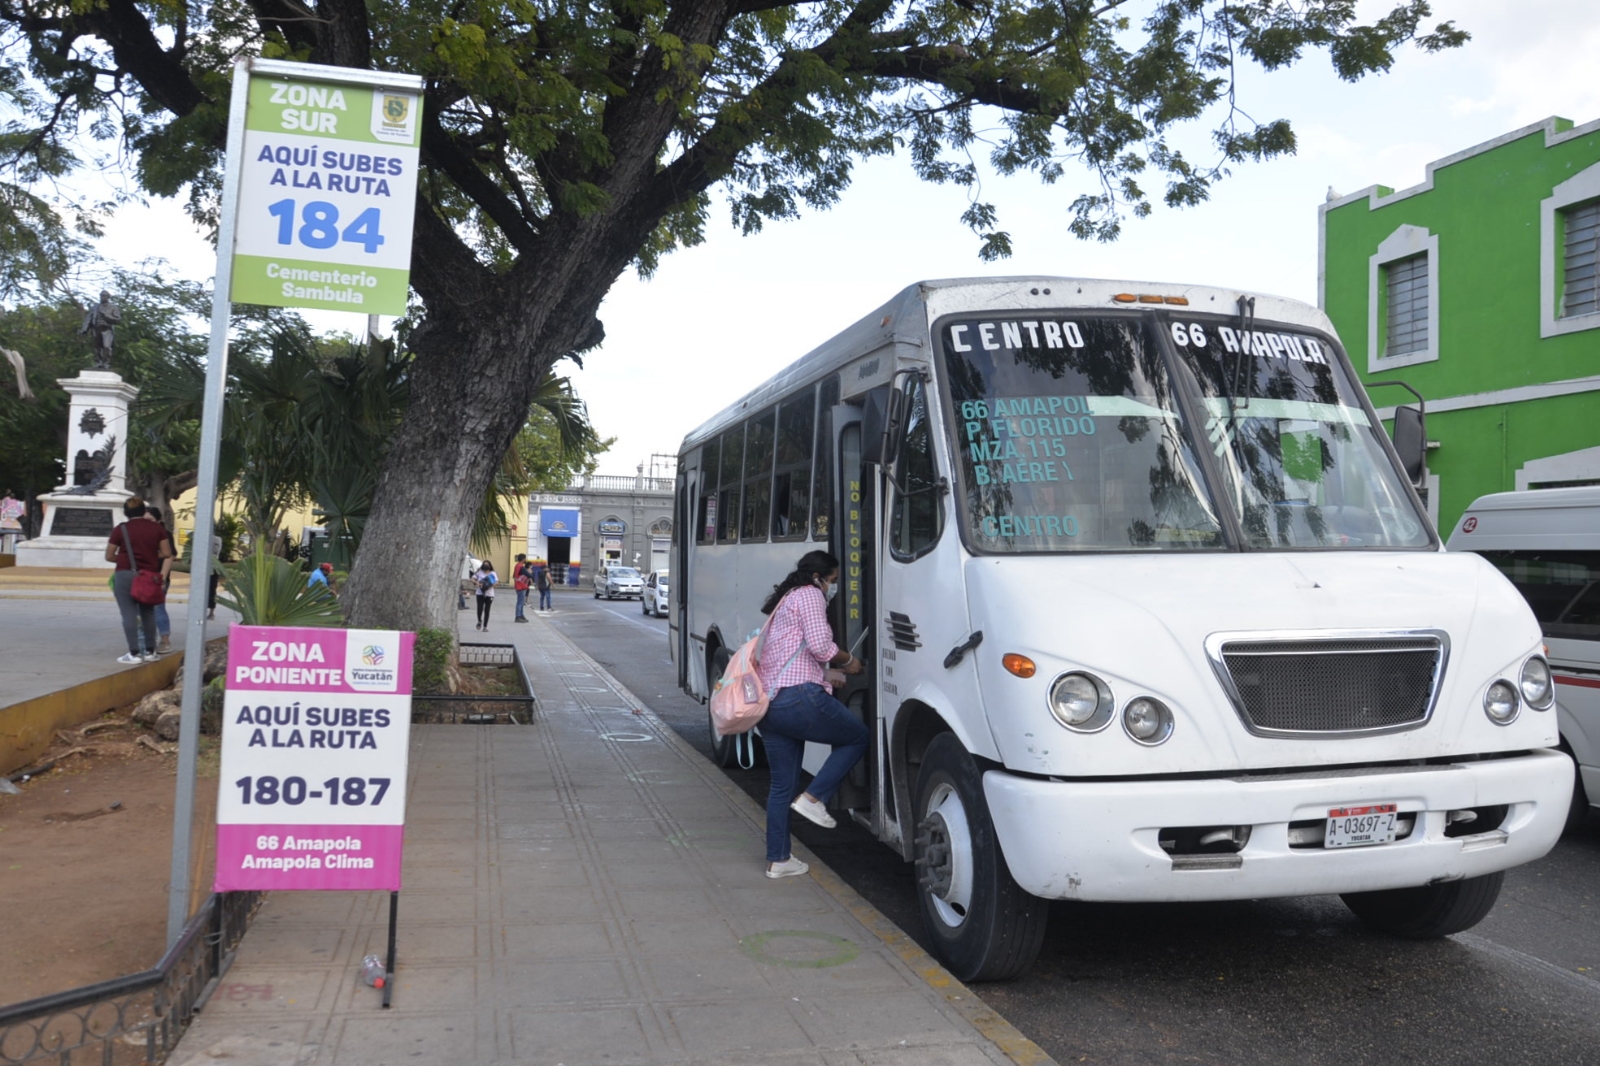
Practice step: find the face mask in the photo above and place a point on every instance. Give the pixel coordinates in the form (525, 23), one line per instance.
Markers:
(829, 590)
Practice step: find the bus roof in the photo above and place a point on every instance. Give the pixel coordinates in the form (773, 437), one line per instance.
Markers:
(904, 319)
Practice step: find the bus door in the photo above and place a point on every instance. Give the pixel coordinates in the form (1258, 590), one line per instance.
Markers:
(855, 543)
(683, 536)
(921, 614)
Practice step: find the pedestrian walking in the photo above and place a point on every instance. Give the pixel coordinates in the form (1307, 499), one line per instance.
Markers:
(163, 623)
(799, 645)
(486, 579)
(545, 583)
(143, 546)
(521, 581)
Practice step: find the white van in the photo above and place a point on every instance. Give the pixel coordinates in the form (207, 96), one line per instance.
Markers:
(1547, 541)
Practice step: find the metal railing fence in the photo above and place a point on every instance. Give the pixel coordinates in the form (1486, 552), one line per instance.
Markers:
(455, 708)
(138, 1018)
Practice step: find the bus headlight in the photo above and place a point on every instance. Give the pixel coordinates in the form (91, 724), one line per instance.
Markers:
(1147, 720)
(1081, 702)
(1535, 684)
(1500, 702)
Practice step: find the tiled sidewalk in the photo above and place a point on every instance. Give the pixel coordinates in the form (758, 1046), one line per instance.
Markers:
(588, 890)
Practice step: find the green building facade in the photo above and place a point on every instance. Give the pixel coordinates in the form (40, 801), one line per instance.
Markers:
(1480, 288)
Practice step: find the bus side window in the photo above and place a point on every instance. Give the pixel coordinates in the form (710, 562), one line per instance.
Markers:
(758, 477)
(918, 514)
(822, 496)
(732, 479)
(706, 514)
(791, 494)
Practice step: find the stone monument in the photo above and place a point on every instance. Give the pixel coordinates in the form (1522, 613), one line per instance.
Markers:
(80, 514)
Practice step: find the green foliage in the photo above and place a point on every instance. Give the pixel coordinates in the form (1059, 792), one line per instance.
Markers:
(534, 105)
(211, 700)
(227, 529)
(432, 656)
(157, 330)
(268, 590)
(305, 419)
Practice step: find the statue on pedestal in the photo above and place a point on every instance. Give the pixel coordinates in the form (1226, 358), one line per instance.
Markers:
(98, 322)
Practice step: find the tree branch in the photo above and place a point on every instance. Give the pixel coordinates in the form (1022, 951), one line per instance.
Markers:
(440, 148)
(124, 27)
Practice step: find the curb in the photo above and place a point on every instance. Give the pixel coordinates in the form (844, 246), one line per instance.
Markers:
(994, 1028)
(27, 728)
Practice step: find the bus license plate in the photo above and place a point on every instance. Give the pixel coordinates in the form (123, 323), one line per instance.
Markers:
(1355, 827)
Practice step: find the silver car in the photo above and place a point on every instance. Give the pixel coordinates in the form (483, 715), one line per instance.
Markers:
(616, 581)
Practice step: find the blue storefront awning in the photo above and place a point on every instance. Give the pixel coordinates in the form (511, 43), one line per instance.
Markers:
(558, 521)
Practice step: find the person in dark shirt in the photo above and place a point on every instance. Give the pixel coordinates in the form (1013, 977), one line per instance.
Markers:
(145, 545)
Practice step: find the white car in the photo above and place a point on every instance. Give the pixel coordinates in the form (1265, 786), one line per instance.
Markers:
(654, 600)
(616, 581)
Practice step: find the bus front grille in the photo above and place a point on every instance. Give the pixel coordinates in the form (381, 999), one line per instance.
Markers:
(1333, 684)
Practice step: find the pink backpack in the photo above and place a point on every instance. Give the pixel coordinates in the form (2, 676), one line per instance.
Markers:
(739, 701)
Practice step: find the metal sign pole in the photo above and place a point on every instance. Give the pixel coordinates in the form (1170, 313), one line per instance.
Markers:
(194, 649)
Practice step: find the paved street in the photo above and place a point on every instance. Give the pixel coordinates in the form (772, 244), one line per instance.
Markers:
(1268, 982)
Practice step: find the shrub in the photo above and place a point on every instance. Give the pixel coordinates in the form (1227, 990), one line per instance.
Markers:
(430, 668)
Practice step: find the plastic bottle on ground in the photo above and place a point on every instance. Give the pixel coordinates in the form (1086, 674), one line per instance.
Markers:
(373, 972)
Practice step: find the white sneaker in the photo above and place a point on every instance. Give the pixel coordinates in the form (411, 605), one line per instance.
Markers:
(790, 867)
(151, 657)
(813, 811)
(130, 659)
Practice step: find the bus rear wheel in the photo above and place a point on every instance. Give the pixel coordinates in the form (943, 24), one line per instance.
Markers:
(1428, 912)
(725, 750)
(984, 927)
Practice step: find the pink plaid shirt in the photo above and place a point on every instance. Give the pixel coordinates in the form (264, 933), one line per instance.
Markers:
(802, 614)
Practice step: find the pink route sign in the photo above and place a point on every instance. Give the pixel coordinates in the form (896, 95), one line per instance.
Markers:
(316, 728)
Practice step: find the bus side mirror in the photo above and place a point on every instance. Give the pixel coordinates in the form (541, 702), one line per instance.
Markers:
(1411, 443)
(877, 414)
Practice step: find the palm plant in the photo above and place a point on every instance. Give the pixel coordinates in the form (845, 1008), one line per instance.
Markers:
(268, 590)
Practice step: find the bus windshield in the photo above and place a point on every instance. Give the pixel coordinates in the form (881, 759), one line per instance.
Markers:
(1303, 465)
(1069, 437)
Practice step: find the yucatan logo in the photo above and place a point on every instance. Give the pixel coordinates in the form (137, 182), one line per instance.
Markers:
(372, 658)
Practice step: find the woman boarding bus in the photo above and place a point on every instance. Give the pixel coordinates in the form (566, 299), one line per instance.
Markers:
(1149, 608)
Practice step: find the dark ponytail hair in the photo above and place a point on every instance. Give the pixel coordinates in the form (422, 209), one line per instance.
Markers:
(811, 566)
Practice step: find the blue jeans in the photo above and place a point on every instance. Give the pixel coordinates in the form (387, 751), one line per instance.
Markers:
(544, 599)
(138, 619)
(522, 601)
(797, 714)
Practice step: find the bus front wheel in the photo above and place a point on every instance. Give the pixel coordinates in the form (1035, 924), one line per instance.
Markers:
(983, 925)
(1430, 911)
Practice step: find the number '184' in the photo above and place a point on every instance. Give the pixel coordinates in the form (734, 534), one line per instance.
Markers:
(319, 225)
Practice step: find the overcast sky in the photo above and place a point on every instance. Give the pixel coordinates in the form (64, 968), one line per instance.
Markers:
(718, 319)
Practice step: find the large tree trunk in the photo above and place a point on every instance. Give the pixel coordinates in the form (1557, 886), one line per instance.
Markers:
(479, 362)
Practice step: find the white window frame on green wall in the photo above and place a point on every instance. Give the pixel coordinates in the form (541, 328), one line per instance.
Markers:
(1404, 243)
(1574, 192)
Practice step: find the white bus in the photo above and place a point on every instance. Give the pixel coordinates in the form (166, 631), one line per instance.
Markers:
(1150, 609)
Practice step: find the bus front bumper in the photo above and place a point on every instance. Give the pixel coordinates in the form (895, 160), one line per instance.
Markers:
(1091, 840)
